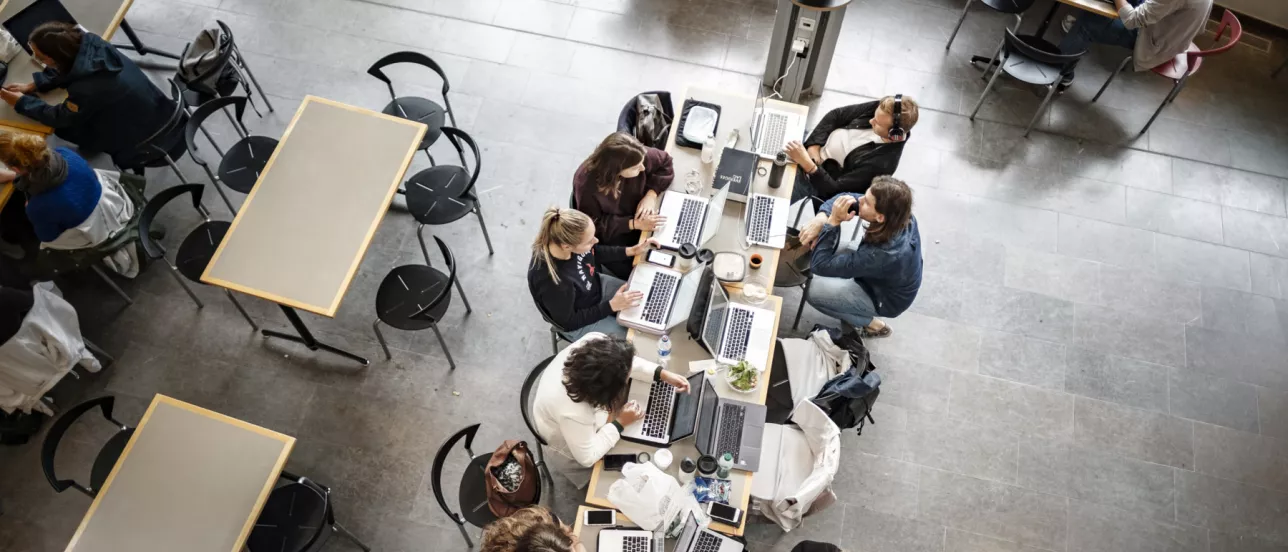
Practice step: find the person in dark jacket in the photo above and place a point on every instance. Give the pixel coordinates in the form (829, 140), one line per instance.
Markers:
(882, 275)
(850, 147)
(566, 281)
(619, 186)
(111, 106)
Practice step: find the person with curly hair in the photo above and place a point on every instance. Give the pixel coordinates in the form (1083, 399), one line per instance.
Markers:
(533, 529)
(580, 405)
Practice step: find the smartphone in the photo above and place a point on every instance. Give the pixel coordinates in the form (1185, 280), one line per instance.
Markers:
(662, 258)
(600, 517)
(724, 512)
(614, 462)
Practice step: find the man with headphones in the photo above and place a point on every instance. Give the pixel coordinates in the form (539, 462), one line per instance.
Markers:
(851, 146)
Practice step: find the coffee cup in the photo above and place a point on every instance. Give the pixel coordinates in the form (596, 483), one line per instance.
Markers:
(755, 260)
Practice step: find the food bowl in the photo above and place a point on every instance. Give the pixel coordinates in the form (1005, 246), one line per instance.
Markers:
(743, 377)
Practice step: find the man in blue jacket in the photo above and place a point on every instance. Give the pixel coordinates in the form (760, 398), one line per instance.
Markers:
(111, 106)
(882, 275)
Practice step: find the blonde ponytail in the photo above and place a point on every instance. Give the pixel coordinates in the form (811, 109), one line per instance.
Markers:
(558, 227)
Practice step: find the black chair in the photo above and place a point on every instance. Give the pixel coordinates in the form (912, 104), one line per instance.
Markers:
(296, 518)
(227, 58)
(107, 456)
(1030, 64)
(1013, 7)
(240, 166)
(165, 146)
(414, 297)
(472, 495)
(557, 333)
(197, 249)
(629, 115)
(444, 194)
(525, 407)
(414, 108)
(794, 262)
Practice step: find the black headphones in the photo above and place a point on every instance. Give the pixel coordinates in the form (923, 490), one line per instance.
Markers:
(896, 129)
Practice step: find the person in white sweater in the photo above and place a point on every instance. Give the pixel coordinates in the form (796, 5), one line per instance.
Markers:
(580, 405)
(1154, 30)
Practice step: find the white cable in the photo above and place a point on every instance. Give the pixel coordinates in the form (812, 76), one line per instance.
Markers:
(776, 94)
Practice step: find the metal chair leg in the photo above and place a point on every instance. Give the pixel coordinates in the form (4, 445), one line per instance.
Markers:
(468, 542)
(988, 88)
(111, 284)
(98, 351)
(1111, 78)
(801, 307)
(478, 211)
(443, 343)
(459, 289)
(1042, 108)
(381, 337)
(1176, 88)
(431, 157)
(211, 139)
(423, 250)
(174, 167)
(174, 272)
(214, 181)
(960, 20)
(345, 532)
(993, 63)
(554, 341)
(237, 304)
(242, 60)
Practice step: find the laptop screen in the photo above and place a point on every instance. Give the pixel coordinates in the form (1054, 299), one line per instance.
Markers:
(39, 12)
(685, 542)
(713, 329)
(686, 410)
(707, 417)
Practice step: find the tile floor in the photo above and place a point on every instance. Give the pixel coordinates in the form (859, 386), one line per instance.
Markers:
(1096, 361)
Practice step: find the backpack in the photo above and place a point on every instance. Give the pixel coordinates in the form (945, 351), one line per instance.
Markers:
(205, 66)
(848, 398)
(513, 482)
(652, 122)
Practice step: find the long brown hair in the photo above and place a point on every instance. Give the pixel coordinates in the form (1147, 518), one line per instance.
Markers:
(894, 202)
(59, 41)
(503, 534)
(618, 152)
(558, 227)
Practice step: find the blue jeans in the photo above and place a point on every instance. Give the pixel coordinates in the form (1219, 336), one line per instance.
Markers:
(843, 299)
(1092, 28)
(607, 325)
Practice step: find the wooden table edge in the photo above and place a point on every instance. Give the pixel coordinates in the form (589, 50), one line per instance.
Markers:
(287, 440)
(1093, 6)
(330, 310)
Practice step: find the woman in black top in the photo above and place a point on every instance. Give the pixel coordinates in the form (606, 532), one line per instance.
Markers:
(850, 146)
(565, 279)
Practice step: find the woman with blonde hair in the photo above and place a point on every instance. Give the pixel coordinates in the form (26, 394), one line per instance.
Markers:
(68, 204)
(533, 529)
(565, 279)
(618, 186)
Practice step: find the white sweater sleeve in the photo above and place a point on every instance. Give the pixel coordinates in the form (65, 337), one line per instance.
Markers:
(1148, 13)
(586, 444)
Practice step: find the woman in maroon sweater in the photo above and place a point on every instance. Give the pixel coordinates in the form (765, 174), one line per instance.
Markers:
(619, 187)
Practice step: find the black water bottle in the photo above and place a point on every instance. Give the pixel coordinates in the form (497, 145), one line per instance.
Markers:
(776, 173)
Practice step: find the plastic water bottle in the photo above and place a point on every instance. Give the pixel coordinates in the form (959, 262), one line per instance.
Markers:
(664, 351)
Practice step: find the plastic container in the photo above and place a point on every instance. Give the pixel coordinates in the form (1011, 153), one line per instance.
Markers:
(723, 465)
(688, 470)
(664, 352)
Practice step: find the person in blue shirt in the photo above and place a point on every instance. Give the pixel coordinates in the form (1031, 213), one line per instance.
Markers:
(60, 188)
(882, 275)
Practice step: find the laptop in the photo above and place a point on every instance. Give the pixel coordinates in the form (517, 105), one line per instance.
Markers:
(765, 220)
(690, 218)
(37, 13)
(727, 425)
(693, 538)
(668, 414)
(772, 129)
(733, 332)
(668, 298)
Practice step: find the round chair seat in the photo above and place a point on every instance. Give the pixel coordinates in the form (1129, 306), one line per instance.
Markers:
(473, 493)
(199, 247)
(1031, 71)
(106, 459)
(244, 161)
(1179, 65)
(408, 289)
(293, 517)
(420, 110)
(793, 265)
(434, 195)
(1009, 6)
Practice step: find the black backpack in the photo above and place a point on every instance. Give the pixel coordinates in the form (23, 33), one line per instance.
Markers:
(848, 398)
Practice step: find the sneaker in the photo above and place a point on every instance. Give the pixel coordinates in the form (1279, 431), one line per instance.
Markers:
(1068, 22)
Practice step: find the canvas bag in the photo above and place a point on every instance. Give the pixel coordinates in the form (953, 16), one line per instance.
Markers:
(9, 47)
(512, 462)
(201, 58)
(652, 125)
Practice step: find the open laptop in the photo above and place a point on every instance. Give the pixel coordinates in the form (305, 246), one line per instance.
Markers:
(765, 220)
(668, 298)
(668, 414)
(732, 332)
(727, 425)
(693, 538)
(772, 129)
(690, 218)
(39, 12)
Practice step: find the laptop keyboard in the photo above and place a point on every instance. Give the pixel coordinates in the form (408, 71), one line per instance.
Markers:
(659, 297)
(636, 544)
(730, 441)
(762, 211)
(773, 134)
(706, 542)
(686, 228)
(735, 344)
(660, 398)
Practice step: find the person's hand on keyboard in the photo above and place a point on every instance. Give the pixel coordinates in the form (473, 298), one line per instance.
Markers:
(630, 413)
(625, 299)
(648, 205)
(680, 383)
(649, 222)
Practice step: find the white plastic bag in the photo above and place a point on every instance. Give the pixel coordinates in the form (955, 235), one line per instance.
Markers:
(9, 48)
(651, 498)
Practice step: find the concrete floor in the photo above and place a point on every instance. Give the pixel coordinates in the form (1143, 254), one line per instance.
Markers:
(1096, 361)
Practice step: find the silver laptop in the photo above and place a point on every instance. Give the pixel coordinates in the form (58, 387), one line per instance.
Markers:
(694, 538)
(690, 218)
(772, 129)
(629, 540)
(668, 414)
(727, 425)
(765, 220)
(668, 298)
(733, 332)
